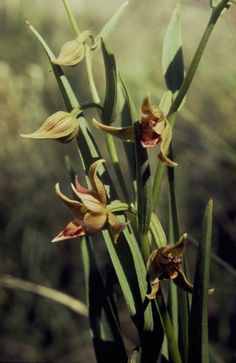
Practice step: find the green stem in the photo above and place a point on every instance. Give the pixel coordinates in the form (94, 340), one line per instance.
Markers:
(115, 161)
(71, 18)
(197, 57)
(185, 87)
(122, 207)
(92, 86)
(169, 331)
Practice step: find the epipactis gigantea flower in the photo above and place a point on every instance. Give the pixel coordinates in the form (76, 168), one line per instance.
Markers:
(90, 209)
(165, 263)
(73, 51)
(62, 126)
(155, 129)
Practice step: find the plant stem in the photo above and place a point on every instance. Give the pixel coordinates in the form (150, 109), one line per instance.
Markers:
(71, 18)
(184, 89)
(92, 86)
(169, 331)
(115, 161)
(197, 57)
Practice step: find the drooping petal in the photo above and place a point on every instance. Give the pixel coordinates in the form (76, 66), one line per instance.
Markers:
(72, 230)
(76, 207)
(88, 197)
(164, 146)
(116, 227)
(182, 282)
(62, 126)
(151, 111)
(155, 284)
(96, 183)
(123, 133)
(94, 222)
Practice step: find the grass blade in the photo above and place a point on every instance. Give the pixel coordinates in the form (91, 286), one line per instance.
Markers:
(52, 294)
(198, 328)
(172, 55)
(143, 177)
(106, 335)
(110, 25)
(109, 106)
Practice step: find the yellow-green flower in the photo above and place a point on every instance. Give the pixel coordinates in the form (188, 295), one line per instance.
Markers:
(61, 126)
(90, 210)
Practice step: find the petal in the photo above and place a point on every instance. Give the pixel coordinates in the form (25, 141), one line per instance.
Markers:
(94, 222)
(123, 133)
(72, 230)
(146, 107)
(182, 282)
(155, 284)
(164, 146)
(76, 207)
(151, 111)
(96, 183)
(116, 227)
(88, 197)
(177, 249)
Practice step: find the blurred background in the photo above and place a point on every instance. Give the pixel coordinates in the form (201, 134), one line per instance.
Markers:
(33, 328)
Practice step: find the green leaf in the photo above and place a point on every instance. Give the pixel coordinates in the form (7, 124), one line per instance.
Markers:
(166, 102)
(178, 304)
(172, 55)
(129, 117)
(135, 356)
(13, 282)
(110, 25)
(106, 335)
(157, 232)
(143, 177)
(68, 95)
(198, 327)
(109, 106)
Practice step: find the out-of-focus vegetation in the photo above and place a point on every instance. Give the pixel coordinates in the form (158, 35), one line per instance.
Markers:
(37, 329)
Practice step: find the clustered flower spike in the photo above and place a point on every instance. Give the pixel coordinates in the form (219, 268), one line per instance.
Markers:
(165, 263)
(62, 126)
(155, 129)
(73, 52)
(90, 211)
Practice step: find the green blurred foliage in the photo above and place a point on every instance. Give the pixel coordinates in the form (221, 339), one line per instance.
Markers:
(35, 329)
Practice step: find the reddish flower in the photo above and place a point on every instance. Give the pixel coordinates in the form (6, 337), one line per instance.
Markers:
(155, 129)
(90, 211)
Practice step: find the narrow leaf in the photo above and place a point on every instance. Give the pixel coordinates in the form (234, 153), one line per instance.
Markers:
(110, 25)
(143, 183)
(109, 107)
(172, 55)
(13, 282)
(128, 118)
(106, 335)
(198, 328)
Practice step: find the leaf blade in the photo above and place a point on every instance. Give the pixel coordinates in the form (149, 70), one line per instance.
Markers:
(172, 55)
(198, 334)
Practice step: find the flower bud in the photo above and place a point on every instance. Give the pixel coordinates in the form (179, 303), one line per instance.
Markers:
(73, 51)
(62, 126)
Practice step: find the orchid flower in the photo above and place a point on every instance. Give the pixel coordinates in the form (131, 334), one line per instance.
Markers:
(90, 211)
(165, 263)
(155, 129)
